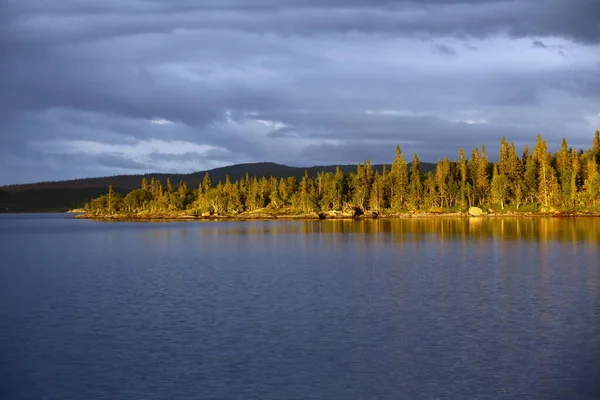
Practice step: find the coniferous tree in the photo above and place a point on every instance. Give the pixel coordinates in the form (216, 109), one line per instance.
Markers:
(465, 189)
(415, 185)
(338, 189)
(503, 156)
(430, 194)
(574, 198)
(530, 182)
(596, 147)
(479, 167)
(305, 199)
(361, 185)
(511, 167)
(500, 187)
(182, 197)
(548, 190)
(399, 181)
(592, 183)
(565, 172)
(376, 199)
(206, 183)
(443, 178)
(566, 179)
(284, 192)
(111, 194)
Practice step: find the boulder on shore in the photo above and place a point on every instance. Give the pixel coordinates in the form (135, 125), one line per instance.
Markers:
(369, 214)
(475, 211)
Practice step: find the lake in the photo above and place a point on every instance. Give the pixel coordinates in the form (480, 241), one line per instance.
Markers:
(446, 308)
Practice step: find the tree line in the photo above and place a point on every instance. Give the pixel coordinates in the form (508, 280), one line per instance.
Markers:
(537, 179)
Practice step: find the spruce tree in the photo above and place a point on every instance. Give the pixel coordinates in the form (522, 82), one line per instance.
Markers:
(399, 181)
(565, 172)
(596, 146)
(548, 189)
(442, 178)
(416, 187)
(182, 195)
(463, 173)
(376, 199)
(574, 186)
(481, 183)
(592, 183)
(499, 188)
(206, 183)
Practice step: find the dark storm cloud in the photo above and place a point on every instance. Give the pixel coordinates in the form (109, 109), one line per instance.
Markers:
(78, 20)
(101, 87)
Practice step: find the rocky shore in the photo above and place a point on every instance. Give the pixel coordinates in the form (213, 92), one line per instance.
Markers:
(473, 212)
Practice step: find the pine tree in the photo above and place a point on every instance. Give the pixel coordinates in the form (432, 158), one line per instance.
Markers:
(503, 156)
(565, 172)
(596, 147)
(284, 193)
(169, 187)
(110, 199)
(376, 199)
(182, 196)
(548, 190)
(305, 199)
(574, 186)
(463, 173)
(481, 182)
(430, 194)
(512, 168)
(499, 187)
(416, 187)
(206, 183)
(217, 199)
(253, 200)
(386, 187)
(399, 181)
(338, 189)
(592, 183)
(442, 178)
(530, 181)
(362, 185)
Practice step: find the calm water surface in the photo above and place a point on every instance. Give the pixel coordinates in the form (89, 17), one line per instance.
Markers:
(401, 309)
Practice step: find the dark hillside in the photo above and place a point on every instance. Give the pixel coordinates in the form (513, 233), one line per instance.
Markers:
(65, 195)
(235, 172)
(49, 199)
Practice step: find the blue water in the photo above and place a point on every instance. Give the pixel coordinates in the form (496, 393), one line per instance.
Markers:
(403, 309)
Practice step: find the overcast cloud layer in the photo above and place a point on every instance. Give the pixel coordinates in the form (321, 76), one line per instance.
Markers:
(95, 88)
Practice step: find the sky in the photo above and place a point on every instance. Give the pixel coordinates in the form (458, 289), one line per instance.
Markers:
(104, 87)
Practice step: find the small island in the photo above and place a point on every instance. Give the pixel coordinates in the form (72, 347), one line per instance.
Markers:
(538, 182)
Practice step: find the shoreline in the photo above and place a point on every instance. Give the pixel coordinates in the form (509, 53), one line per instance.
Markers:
(325, 216)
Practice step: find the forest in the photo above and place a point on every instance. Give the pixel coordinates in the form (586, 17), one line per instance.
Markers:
(534, 181)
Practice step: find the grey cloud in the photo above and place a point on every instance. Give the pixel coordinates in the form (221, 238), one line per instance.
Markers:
(444, 49)
(572, 18)
(119, 161)
(284, 132)
(192, 156)
(340, 80)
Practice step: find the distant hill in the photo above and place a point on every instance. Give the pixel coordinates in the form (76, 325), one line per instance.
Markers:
(65, 195)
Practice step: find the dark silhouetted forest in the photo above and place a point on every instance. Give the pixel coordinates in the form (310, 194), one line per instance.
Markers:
(65, 195)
